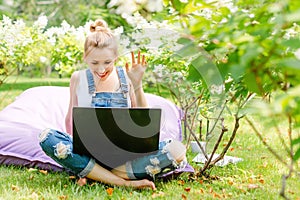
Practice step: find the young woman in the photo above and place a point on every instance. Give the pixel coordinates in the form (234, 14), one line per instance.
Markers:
(104, 85)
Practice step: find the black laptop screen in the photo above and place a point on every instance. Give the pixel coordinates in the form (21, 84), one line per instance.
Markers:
(115, 135)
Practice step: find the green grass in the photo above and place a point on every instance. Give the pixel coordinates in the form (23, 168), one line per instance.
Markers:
(259, 168)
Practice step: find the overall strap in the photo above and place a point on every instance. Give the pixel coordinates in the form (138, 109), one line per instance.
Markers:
(90, 80)
(123, 81)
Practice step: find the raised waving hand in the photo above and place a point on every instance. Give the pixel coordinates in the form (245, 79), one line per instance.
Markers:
(137, 70)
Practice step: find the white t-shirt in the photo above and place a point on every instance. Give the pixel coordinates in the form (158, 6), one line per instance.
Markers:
(84, 97)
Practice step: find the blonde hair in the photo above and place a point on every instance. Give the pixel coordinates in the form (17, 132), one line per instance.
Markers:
(100, 37)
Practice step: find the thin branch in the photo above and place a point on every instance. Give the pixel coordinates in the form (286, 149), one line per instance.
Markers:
(219, 116)
(195, 113)
(264, 142)
(233, 134)
(281, 138)
(207, 163)
(187, 109)
(195, 137)
(291, 165)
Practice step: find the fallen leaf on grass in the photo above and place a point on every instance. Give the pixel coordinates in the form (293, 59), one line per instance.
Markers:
(183, 196)
(250, 180)
(216, 195)
(63, 197)
(15, 188)
(43, 171)
(230, 182)
(94, 183)
(188, 189)
(201, 191)
(180, 182)
(31, 177)
(291, 192)
(109, 191)
(262, 181)
(242, 189)
(72, 177)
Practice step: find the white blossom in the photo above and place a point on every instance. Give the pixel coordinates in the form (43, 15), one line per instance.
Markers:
(41, 22)
(127, 6)
(154, 5)
(113, 3)
(217, 89)
(6, 21)
(43, 59)
(297, 54)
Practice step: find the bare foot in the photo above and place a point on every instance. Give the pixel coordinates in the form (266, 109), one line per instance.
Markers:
(142, 184)
(81, 181)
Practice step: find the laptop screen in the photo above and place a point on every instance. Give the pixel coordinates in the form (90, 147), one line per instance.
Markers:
(113, 136)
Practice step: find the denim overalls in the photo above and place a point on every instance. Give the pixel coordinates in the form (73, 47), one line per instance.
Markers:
(59, 145)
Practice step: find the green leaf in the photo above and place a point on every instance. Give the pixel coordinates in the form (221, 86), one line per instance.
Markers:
(250, 81)
(184, 41)
(188, 50)
(190, 8)
(244, 39)
(293, 17)
(297, 155)
(296, 141)
(294, 43)
(177, 5)
(290, 63)
(237, 71)
(252, 51)
(205, 69)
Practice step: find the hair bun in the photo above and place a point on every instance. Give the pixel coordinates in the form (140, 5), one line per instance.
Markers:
(99, 25)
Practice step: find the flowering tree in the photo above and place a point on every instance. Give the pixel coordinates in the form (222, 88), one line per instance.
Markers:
(242, 52)
(210, 56)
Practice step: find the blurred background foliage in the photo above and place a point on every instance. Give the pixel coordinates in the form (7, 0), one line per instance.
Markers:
(234, 49)
(230, 49)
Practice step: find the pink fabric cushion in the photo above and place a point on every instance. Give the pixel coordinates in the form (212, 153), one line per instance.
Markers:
(45, 107)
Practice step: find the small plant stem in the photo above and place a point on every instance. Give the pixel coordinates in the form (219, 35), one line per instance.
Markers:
(264, 142)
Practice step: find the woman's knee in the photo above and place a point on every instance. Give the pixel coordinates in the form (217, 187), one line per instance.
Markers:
(54, 144)
(177, 150)
(44, 135)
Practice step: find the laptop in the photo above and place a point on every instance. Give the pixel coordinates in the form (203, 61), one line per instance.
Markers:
(113, 136)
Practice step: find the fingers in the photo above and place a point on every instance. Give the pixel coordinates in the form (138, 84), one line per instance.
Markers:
(139, 60)
(139, 57)
(132, 57)
(143, 60)
(127, 67)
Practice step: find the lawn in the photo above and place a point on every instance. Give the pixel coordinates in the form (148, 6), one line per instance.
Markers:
(258, 176)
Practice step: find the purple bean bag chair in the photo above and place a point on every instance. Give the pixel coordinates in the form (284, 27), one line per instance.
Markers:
(45, 107)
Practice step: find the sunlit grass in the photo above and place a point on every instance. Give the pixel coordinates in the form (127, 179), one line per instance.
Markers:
(258, 176)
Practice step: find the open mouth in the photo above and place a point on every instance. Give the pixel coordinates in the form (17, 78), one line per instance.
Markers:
(101, 75)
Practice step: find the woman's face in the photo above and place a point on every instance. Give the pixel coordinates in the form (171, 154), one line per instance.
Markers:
(101, 62)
